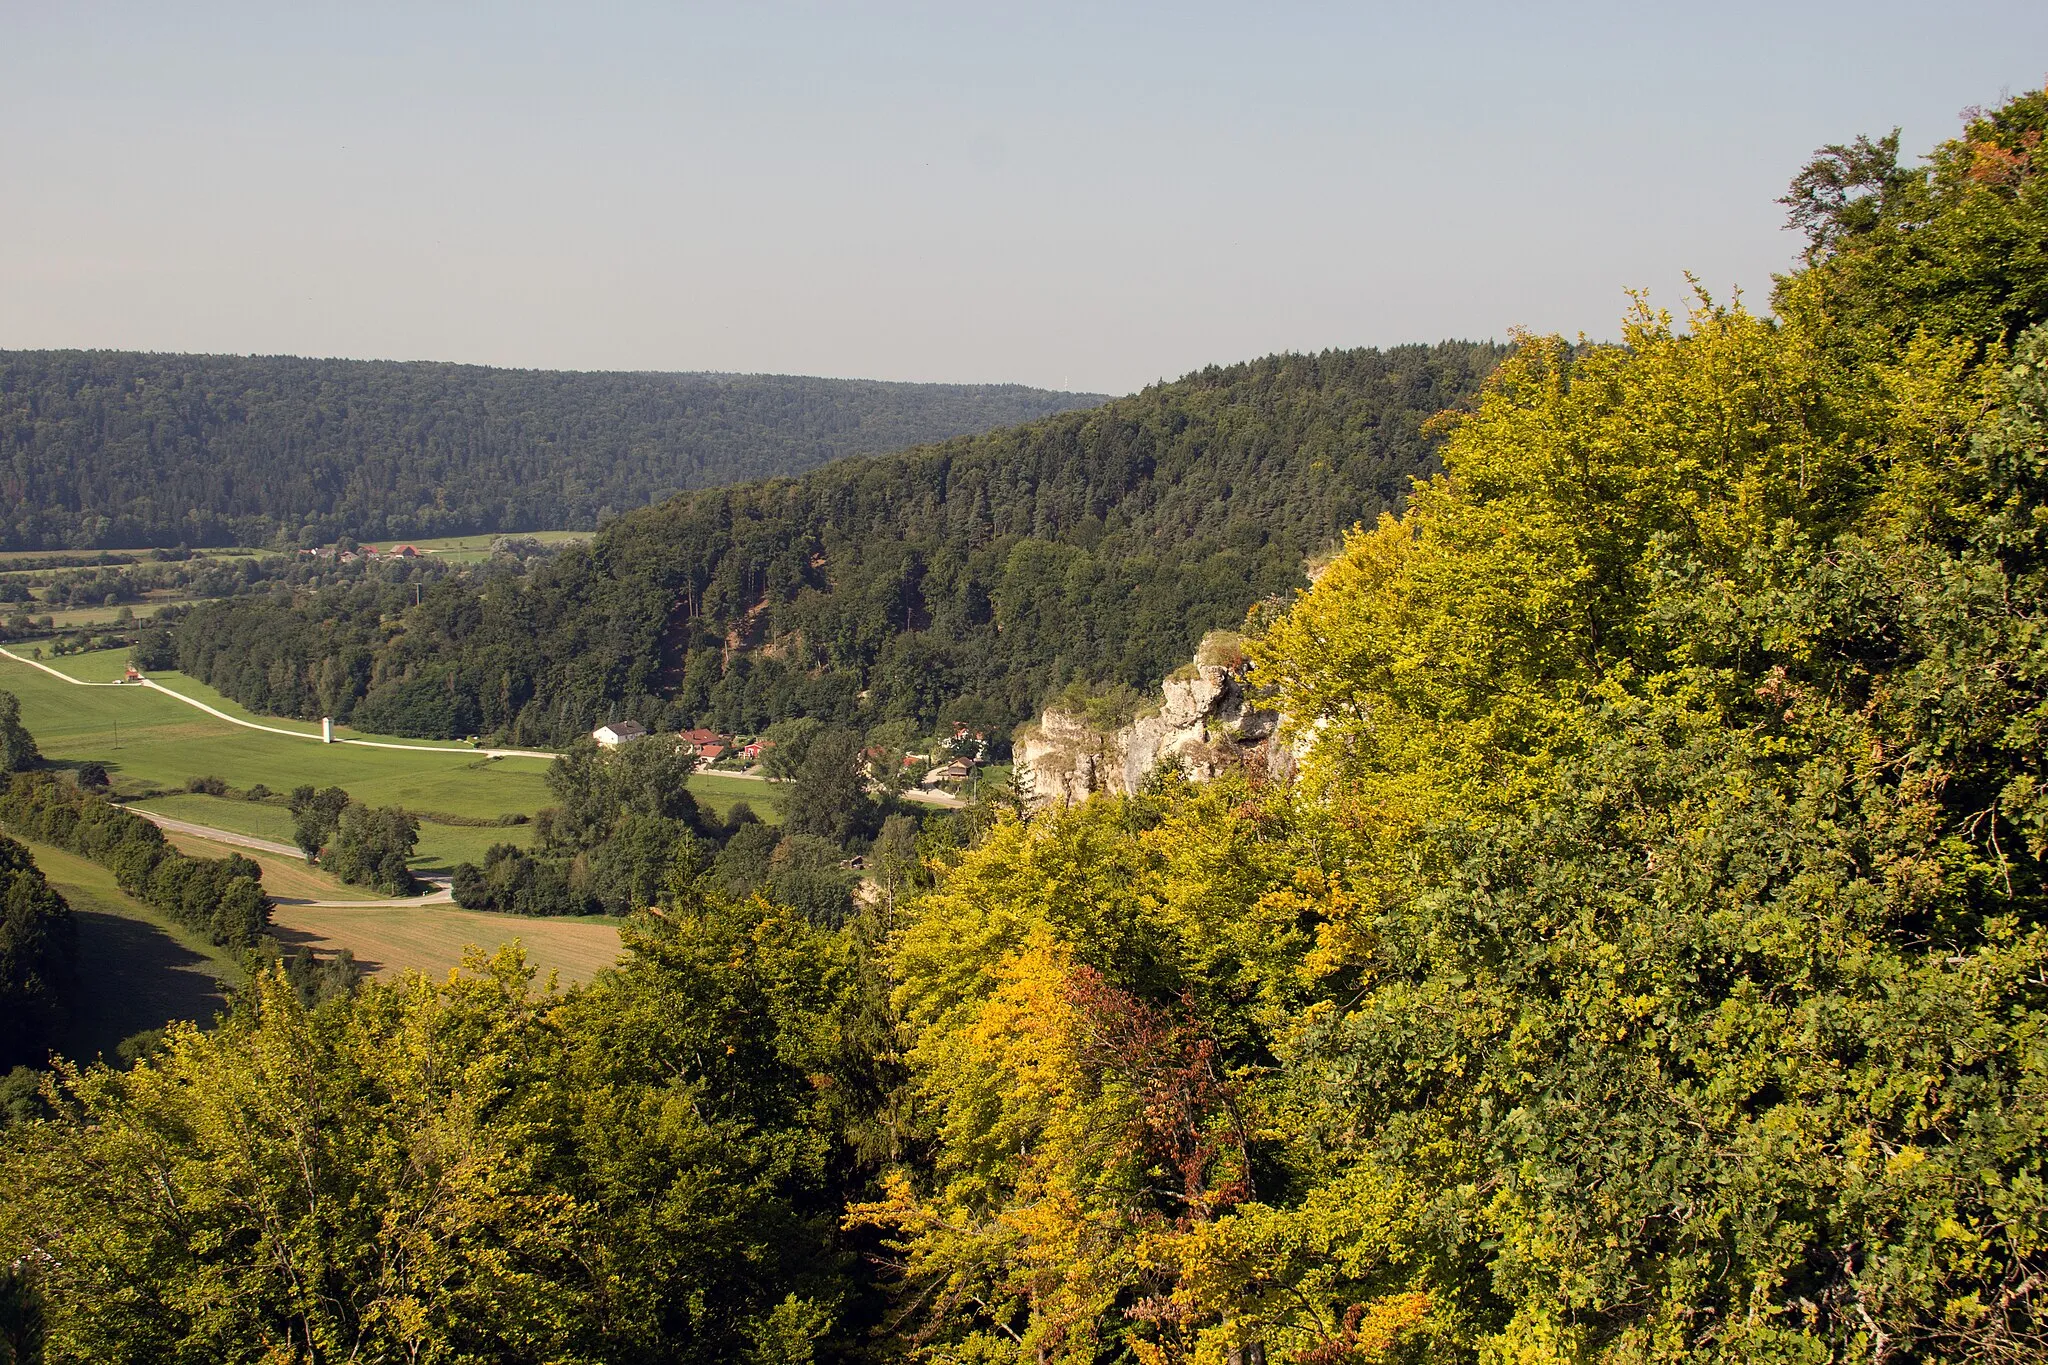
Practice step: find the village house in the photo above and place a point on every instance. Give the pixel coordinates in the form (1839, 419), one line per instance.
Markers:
(618, 732)
(959, 770)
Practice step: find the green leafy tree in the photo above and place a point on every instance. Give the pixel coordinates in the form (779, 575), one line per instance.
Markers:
(315, 816)
(373, 846)
(38, 958)
(18, 752)
(829, 796)
(785, 744)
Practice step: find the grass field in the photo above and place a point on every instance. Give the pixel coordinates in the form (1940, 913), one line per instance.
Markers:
(149, 740)
(469, 549)
(431, 938)
(9, 558)
(138, 969)
(721, 793)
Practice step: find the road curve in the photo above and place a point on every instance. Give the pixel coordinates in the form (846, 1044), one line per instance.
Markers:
(288, 734)
(442, 894)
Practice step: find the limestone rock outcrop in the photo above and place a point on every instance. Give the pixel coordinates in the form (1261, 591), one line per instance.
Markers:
(1205, 725)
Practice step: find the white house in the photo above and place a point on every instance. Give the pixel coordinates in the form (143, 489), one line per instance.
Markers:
(618, 732)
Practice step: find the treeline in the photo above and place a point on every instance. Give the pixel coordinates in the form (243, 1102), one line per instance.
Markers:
(958, 582)
(114, 449)
(38, 959)
(221, 898)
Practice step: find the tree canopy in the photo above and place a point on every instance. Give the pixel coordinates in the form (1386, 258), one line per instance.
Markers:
(117, 449)
(956, 582)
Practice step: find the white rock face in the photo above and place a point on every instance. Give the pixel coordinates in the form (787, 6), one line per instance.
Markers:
(1204, 727)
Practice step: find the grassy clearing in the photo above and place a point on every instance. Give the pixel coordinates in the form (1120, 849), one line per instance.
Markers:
(440, 848)
(9, 558)
(99, 665)
(109, 665)
(469, 549)
(720, 792)
(137, 968)
(148, 740)
(260, 818)
(431, 939)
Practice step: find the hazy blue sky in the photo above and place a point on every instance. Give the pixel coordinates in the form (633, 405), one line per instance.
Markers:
(1088, 196)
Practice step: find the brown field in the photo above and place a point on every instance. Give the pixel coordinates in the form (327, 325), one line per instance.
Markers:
(431, 938)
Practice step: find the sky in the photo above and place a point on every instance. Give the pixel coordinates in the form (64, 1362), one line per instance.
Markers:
(1091, 196)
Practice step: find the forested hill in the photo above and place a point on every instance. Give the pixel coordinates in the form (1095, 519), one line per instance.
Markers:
(114, 449)
(961, 580)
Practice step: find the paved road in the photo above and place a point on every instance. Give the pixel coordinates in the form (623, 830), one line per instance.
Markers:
(442, 894)
(275, 730)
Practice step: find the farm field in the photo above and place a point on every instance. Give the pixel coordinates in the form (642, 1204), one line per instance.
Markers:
(109, 665)
(441, 846)
(720, 792)
(11, 558)
(431, 938)
(468, 549)
(149, 740)
(138, 969)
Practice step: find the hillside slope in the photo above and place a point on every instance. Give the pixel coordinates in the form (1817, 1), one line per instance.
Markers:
(112, 449)
(965, 578)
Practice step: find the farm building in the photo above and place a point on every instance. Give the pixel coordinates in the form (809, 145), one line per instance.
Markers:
(618, 732)
(957, 771)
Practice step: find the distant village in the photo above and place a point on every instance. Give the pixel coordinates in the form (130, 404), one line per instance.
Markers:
(345, 555)
(947, 768)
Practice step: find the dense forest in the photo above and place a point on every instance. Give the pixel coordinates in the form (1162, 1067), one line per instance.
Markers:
(1647, 960)
(114, 449)
(959, 581)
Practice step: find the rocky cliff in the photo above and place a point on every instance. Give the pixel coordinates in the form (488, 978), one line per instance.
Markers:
(1205, 724)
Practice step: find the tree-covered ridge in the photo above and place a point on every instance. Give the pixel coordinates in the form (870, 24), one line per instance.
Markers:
(974, 575)
(119, 449)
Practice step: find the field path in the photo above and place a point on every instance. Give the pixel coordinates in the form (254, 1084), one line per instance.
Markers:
(219, 836)
(442, 894)
(274, 730)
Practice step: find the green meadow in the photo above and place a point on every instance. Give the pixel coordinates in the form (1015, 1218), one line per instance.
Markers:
(469, 549)
(150, 742)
